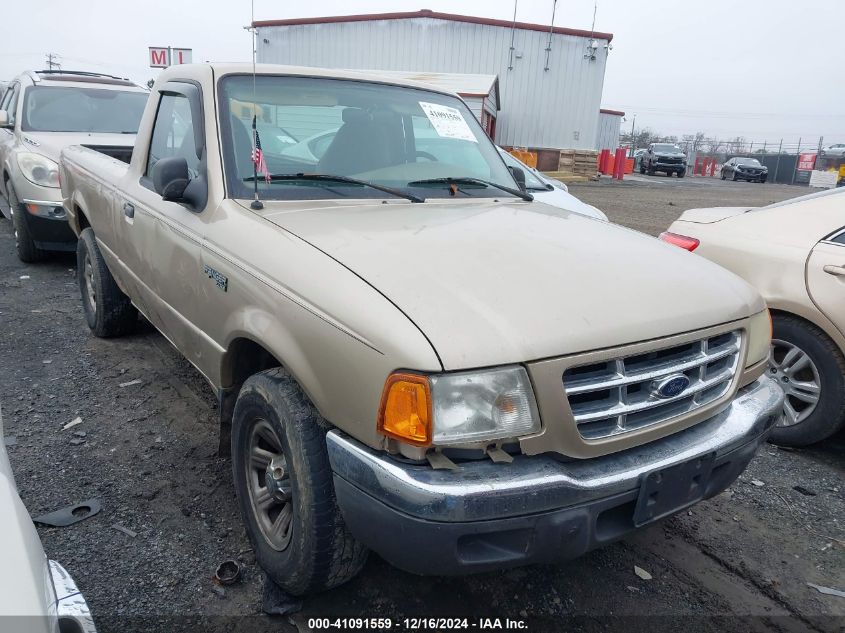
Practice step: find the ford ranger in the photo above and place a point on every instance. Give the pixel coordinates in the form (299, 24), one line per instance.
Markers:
(411, 355)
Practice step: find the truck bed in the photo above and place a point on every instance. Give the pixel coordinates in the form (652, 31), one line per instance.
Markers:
(123, 153)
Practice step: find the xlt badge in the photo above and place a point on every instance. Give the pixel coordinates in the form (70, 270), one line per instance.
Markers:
(221, 280)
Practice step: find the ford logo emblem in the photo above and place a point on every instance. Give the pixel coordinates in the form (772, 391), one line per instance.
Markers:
(670, 386)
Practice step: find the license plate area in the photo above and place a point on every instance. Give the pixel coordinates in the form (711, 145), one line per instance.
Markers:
(668, 490)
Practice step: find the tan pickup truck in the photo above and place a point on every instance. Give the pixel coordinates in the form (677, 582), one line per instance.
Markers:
(411, 355)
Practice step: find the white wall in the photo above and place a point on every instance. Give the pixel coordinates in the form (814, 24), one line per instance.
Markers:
(607, 135)
(538, 108)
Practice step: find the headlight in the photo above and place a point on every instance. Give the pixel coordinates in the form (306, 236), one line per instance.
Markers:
(759, 337)
(458, 408)
(39, 169)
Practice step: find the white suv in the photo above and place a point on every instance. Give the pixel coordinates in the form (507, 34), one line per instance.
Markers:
(42, 112)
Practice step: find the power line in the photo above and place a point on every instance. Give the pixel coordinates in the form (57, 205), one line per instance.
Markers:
(51, 63)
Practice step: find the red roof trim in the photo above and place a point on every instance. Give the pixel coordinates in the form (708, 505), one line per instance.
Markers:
(616, 112)
(426, 13)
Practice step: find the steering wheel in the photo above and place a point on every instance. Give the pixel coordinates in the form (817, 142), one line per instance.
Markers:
(423, 154)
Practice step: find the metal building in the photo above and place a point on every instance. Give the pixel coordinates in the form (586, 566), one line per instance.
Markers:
(551, 78)
(607, 136)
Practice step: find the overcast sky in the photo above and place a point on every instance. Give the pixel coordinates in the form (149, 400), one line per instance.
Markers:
(762, 70)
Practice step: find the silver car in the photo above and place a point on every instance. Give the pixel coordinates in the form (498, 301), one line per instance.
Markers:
(41, 113)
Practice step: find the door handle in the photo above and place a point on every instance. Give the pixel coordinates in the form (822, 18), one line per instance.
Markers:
(835, 270)
(129, 209)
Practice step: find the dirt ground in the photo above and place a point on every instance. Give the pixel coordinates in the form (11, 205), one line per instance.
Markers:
(147, 452)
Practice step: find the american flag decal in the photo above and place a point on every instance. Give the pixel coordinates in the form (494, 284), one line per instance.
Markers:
(258, 157)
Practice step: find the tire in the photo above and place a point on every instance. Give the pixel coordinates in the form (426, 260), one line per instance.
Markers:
(107, 310)
(682, 173)
(650, 170)
(722, 174)
(642, 169)
(733, 176)
(312, 550)
(25, 246)
(826, 368)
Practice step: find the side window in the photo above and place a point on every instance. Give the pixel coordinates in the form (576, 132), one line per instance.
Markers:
(839, 239)
(173, 134)
(10, 102)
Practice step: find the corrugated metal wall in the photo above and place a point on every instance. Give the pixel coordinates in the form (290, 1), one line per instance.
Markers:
(558, 108)
(607, 136)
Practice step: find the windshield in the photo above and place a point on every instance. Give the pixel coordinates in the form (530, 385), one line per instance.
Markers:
(66, 109)
(403, 138)
(532, 181)
(666, 147)
(753, 162)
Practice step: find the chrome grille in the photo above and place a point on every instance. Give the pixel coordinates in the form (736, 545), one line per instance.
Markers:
(618, 395)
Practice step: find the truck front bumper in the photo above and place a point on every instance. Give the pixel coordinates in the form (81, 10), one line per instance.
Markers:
(536, 509)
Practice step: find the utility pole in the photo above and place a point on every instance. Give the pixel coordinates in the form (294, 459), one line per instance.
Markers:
(51, 63)
(633, 140)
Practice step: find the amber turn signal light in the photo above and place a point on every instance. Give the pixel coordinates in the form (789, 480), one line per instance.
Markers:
(405, 411)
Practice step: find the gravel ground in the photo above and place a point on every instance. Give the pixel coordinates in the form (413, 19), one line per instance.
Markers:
(738, 562)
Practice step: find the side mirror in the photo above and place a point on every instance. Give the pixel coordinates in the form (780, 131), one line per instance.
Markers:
(171, 178)
(519, 176)
(4, 119)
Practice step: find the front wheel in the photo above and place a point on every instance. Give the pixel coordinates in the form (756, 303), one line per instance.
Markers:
(285, 489)
(642, 169)
(811, 370)
(682, 173)
(25, 246)
(107, 310)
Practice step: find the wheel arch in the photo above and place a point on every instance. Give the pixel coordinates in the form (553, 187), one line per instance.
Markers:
(78, 216)
(245, 356)
(811, 317)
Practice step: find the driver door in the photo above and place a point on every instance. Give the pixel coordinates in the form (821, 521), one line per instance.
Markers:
(160, 242)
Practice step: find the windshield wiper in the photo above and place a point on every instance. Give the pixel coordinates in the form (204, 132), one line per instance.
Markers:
(346, 179)
(473, 181)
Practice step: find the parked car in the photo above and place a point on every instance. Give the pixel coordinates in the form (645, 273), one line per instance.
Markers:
(794, 253)
(638, 157)
(40, 113)
(749, 169)
(549, 190)
(412, 355)
(37, 595)
(837, 150)
(664, 157)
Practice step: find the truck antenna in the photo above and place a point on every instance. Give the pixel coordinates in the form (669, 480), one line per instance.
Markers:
(256, 204)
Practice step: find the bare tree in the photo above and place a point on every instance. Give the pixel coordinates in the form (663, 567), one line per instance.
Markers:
(712, 145)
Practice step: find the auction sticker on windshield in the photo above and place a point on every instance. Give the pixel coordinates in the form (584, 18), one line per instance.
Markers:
(448, 122)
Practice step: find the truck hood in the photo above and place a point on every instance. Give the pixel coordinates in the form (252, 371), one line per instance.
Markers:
(491, 283)
(670, 154)
(51, 144)
(711, 215)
